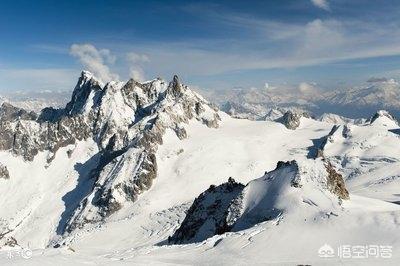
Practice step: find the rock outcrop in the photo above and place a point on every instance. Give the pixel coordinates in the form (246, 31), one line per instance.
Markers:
(291, 119)
(335, 183)
(4, 172)
(207, 216)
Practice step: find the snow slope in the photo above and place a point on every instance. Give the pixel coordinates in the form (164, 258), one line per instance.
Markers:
(368, 155)
(210, 156)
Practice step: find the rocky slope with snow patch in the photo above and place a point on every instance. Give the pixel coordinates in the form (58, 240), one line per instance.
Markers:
(363, 153)
(311, 188)
(208, 214)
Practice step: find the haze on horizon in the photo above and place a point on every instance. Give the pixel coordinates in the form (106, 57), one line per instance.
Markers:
(211, 45)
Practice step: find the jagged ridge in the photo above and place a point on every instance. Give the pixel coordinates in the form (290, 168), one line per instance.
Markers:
(126, 121)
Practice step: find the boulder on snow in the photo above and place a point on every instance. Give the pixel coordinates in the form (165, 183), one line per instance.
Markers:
(291, 119)
(4, 172)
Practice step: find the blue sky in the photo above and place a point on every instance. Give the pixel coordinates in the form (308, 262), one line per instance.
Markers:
(210, 44)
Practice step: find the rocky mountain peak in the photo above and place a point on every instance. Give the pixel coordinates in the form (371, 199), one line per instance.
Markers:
(382, 114)
(127, 122)
(84, 93)
(175, 87)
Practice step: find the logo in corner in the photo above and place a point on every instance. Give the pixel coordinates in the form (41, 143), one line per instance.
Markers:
(326, 251)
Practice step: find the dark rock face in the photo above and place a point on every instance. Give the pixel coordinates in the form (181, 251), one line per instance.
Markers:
(141, 180)
(281, 164)
(335, 183)
(86, 85)
(181, 132)
(176, 87)
(50, 114)
(208, 214)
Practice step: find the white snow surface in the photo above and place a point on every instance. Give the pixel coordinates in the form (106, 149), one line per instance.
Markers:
(368, 156)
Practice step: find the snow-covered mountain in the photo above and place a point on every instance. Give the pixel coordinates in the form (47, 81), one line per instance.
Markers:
(341, 120)
(363, 100)
(122, 124)
(152, 173)
(256, 103)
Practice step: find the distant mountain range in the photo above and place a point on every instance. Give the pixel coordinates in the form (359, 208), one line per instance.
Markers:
(36, 100)
(354, 102)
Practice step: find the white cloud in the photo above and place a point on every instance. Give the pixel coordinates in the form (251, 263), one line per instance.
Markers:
(135, 62)
(95, 60)
(136, 73)
(323, 4)
(268, 45)
(277, 45)
(137, 58)
(107, 56)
